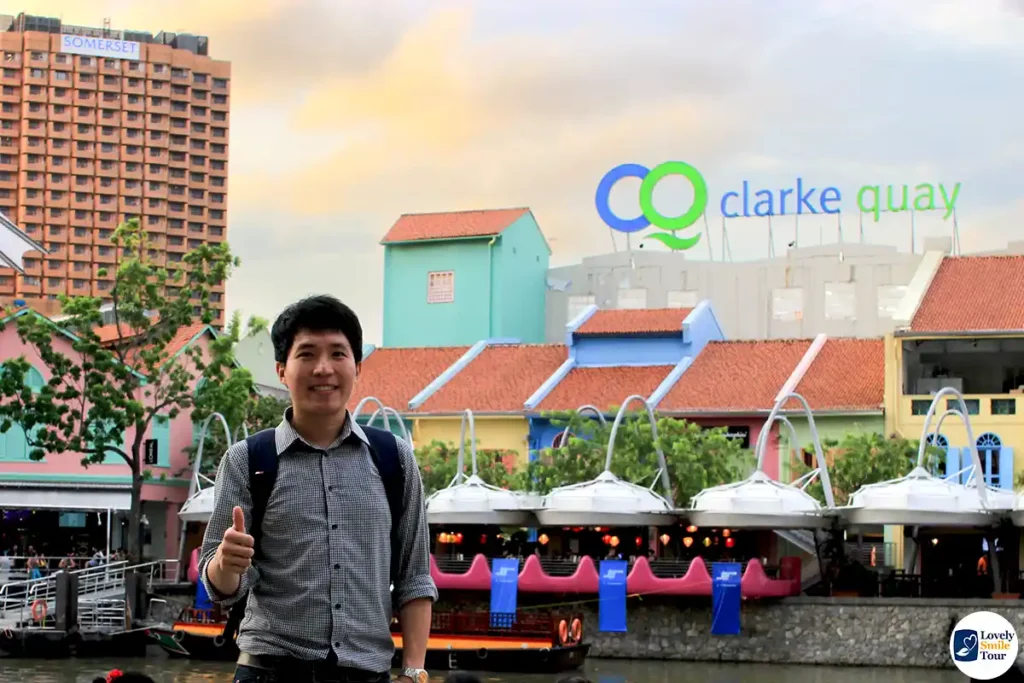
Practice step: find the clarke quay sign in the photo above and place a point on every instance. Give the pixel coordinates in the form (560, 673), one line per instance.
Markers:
(800, 199)
(92, 46)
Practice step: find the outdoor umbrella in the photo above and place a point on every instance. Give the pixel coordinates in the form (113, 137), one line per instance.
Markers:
(14, 243)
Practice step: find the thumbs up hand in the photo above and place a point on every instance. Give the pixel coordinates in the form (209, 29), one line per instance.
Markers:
(234, 555)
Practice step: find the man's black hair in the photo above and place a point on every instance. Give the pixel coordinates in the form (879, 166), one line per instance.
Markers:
(321, 313)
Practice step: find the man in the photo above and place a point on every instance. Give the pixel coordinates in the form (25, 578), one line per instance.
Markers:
(319, 606)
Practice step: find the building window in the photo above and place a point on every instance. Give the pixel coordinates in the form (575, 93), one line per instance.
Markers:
(681, 299)
(441, 287)
(788, 304)
(840, 301)
(989, 452)
(889, 298)
(631, 298)
(577, 304)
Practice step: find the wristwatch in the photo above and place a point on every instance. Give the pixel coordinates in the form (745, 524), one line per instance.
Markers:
(416, 675)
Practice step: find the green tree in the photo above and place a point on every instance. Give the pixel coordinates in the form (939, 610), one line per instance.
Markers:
(697, 457)
(234, 398)
(860, 459)
(438, 463)
(123, 381)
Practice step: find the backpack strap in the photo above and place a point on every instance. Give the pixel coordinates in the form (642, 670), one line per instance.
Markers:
(384, 453)
(262, 456)
(262, 447)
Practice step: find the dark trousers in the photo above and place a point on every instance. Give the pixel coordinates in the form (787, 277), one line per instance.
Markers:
(265, 669)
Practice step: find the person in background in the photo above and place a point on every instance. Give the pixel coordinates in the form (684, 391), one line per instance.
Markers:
(319, 599)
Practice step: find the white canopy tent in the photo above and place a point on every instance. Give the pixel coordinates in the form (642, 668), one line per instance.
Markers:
(199, 505)
(760, 502)
(387, 413)
(608, 500)
(923, 499)
(471, 500)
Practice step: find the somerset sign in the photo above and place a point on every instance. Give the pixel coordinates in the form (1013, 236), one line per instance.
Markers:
(100, 47)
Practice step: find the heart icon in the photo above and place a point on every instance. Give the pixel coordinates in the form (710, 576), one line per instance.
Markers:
(970, 641)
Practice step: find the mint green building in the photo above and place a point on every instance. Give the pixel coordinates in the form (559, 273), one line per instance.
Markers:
(461, 277)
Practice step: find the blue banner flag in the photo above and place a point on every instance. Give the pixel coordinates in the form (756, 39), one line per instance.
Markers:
(611, 591)
(202, 597)
(504, 590)
(726, 595)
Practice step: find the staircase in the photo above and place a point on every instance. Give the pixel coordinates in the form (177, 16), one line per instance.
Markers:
(101, 595)
(810, 570)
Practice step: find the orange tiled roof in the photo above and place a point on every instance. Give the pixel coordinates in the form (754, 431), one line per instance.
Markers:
(847, 374)
(635, 321)
(451, 225)
(735, 376)
(974, 294)
(108, 334)
(603, 387)
(499, 380)
(395, 375)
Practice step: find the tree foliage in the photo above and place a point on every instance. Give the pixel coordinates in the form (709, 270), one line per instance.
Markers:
(697, 457)
(237, 401)
(438, 463)
(859, 459)
(132, 375)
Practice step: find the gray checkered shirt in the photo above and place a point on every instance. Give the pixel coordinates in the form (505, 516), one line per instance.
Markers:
(323, 582)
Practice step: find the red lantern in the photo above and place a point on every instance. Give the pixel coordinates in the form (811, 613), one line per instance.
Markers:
(639, 541)
(730, 542)
(606, 539)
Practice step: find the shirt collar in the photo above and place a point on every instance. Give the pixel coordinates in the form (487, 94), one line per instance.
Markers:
(286, 435)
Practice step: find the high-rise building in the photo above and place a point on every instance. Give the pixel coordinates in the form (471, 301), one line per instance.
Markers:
(98, 125)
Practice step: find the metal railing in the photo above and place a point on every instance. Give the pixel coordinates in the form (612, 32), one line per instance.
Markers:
(94, 583)
(107, 615)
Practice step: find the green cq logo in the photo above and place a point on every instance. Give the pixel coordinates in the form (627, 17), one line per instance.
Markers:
(649, 178)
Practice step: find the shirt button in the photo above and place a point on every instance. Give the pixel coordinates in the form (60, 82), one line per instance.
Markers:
(337, 605)
(337, 644)
(334, 526)
(337, 566)
(330, 488)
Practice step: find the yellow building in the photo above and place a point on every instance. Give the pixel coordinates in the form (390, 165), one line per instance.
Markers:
(961, 325)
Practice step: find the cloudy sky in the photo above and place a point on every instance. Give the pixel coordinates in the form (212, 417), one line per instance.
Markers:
(347, 114)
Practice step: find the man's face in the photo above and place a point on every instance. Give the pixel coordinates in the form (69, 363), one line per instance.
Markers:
(319, 372)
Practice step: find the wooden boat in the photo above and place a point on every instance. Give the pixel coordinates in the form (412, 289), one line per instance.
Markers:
(546, 642)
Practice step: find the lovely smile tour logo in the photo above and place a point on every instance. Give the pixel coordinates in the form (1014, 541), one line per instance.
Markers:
(983, 646)
(802, 198)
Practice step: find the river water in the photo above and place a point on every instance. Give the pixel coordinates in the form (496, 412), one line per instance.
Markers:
(165, 670)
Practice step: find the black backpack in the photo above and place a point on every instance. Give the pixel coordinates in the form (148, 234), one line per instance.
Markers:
(262, 448)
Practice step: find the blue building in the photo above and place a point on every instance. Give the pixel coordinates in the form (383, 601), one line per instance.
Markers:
(455, 278)
(642, 351)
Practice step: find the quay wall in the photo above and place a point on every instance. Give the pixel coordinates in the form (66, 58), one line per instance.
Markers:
(798, 630)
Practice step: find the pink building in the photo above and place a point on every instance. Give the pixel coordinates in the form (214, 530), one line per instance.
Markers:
(57, 504)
